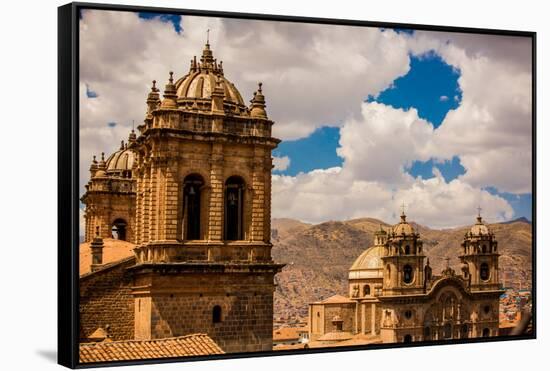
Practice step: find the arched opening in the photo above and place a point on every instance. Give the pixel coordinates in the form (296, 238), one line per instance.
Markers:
(484, 271)
(118, 230)
(407, 250)
(483, 248)
(447, 331)
(234, 197)
(407, 274)
(408, 314)
(366, 290)
(464, 331)
(427, 333)
(192, 187)
(216, 314)
(486, 332)
(388, 272)
(407, 338)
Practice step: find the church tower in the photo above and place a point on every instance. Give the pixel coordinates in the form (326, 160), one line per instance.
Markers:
(203, 200)
(480, 258)
(403, 261)
(111, 195)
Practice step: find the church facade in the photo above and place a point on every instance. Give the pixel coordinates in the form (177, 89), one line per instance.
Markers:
(394, 296)
(192, 191)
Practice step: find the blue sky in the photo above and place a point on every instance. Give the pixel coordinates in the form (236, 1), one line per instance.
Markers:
(172, 18)
(431, 87)
(322, 143)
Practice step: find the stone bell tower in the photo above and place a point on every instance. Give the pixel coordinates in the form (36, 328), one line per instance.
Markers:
(403, 261)
(480, 258)
(203, 200)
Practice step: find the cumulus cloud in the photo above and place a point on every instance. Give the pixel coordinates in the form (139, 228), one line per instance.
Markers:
(491, 129)
(382, 142)
(281, 163)
(318, 75)
(332, 194)
(313, 75)
(373, 181)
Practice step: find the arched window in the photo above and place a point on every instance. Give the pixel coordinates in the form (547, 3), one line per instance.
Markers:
(407, 250)
(119, 229)
(192, 206)
(486, 332)
(483, 248)
(216, 314)
(484, 271)
(407, 274)
(366, 290)
(408, 314)
(407, 338)
(234, 197)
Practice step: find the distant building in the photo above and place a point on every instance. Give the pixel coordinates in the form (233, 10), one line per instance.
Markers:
(393, 294)
(192, 192)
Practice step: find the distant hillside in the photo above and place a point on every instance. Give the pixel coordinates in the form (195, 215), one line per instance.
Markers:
(318, 256)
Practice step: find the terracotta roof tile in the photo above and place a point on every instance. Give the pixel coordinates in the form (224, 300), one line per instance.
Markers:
(183, 346)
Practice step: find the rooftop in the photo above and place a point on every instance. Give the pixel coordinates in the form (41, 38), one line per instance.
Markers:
(183, 346)
(113, 250)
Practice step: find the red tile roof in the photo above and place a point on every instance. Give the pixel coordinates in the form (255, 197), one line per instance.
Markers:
(183, 346)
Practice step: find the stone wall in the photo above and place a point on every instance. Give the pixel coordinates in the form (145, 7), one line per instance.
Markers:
(106, 300)
(174, 305)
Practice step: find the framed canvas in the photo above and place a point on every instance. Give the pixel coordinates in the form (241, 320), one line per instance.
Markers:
(241, 185)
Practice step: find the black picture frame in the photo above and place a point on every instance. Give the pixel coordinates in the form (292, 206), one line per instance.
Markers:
(68, 182)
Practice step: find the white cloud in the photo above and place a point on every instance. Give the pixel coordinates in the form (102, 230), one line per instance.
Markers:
(443, 98)
(491, 129)
(316, 75)
(382, 142)
(281, 163)
(313, 75)
(373, 182)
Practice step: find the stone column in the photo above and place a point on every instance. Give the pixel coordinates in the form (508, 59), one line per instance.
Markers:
(145, 203)
(363, 329)
(153, 205)
(215, 216)
(373, 319)
(258, 196)
(171, 203)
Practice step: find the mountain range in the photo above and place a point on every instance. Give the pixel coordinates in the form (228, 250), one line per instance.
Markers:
(318, 256)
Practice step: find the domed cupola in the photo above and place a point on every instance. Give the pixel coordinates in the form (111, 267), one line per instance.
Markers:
(120, 163)
(403, 228)
(194, 90)
(479, 229)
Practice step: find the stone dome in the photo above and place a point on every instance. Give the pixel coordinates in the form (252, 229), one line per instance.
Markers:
(403, 228)
(120, 161)
(202, 78)
(480, 229)
(369, 259)
(200, 84)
